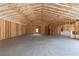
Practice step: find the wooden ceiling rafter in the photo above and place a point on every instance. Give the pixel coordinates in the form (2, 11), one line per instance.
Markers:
(54, 11)
(22, 12)
(70, 12)
(58, 14)
(8, 12)
(60, 11)
(45, 12)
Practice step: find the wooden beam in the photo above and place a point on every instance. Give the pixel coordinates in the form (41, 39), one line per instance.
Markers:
(75, 30)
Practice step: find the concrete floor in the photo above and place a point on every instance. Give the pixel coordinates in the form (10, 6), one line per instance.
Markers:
(39, 45)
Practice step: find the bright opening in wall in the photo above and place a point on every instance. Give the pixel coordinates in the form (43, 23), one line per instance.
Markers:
(37, 30)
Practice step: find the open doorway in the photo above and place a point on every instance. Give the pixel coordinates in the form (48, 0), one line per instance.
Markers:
(67, 30)
(37, 30)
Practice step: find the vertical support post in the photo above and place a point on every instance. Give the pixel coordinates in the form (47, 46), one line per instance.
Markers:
(75, 30)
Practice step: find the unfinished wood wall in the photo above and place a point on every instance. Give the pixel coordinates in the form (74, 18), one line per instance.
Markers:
(31, 28)
(77, 26)
(9, 29)
(44, 29)
(68, 27)
(71, 29)
(55, 30)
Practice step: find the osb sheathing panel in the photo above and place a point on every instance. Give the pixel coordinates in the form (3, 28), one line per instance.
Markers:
(29, 29)
(9, 29)
(77, 26)
(55, 30)
(2, 31)
(20, 29)
(43, 29)
(69, 27)
(13, 29)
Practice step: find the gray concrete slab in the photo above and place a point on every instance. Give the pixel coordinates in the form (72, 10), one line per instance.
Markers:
(39, 45)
